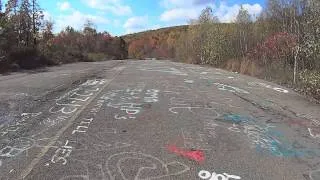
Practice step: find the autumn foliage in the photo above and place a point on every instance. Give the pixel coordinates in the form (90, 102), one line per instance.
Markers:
(27, 40)
(154, 44)
(70, 45)
(276, 47)
(281, 44)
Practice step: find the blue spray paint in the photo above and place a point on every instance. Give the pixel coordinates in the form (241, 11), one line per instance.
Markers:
(237, 119)
(284, 150)
(267, 139)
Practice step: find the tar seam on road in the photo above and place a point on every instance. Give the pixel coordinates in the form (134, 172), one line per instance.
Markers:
(53, 140)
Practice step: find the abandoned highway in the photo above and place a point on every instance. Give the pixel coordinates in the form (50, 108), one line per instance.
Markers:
(143, 120)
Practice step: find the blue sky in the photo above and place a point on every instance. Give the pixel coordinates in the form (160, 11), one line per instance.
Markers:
(127, 16)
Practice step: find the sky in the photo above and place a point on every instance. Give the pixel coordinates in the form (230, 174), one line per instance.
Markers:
(119, 17)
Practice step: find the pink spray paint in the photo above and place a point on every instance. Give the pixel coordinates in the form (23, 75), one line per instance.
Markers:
(195, 155)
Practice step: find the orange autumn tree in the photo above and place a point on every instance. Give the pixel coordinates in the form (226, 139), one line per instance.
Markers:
(149, 47)
(135, 49)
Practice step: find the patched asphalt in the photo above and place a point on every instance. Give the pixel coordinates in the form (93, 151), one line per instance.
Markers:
(141, 120)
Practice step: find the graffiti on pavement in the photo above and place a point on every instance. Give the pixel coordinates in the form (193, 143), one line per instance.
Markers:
(203, 174)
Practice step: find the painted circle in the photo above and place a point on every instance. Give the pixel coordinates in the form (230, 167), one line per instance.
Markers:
(204, 174)
(219, 177)
(280, 90)
(21, 143)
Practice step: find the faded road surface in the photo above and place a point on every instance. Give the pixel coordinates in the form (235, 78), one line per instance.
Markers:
(143, 120)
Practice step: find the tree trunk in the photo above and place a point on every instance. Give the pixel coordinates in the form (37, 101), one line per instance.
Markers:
(295, 65)
(34, 22)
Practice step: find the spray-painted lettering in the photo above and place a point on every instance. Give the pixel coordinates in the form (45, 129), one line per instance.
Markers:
(214, 176)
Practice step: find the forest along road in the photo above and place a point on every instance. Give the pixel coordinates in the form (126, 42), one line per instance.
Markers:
(141, 120)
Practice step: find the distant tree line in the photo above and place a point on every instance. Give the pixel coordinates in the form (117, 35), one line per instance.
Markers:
(282, 44)
(27, 40)
(155, 43)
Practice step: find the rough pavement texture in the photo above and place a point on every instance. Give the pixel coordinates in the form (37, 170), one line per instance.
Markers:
(139, 120)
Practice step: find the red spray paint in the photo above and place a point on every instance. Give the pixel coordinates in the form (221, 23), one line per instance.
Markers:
(196, 155)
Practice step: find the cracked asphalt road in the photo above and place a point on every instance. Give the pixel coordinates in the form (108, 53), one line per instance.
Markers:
(141, 120)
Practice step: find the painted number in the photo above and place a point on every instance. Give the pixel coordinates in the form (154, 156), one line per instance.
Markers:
(62, 153)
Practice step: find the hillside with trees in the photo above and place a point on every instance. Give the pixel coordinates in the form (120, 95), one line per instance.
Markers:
(27, 40)
(159, 43)
(281, 45)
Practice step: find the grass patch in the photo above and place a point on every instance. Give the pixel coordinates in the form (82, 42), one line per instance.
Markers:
(97, 57)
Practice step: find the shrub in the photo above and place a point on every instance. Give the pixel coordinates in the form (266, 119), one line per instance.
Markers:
(277, 47)
(97, 56)
(310, 83)
(28, 58)
(4, 65)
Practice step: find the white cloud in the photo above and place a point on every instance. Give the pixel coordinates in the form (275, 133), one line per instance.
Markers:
(76, 20)
(138, 24)
(179, 11)
(114, 6)
(64, 6)
(228, 14)
(169, 4)
(179, 14)
(255, 9)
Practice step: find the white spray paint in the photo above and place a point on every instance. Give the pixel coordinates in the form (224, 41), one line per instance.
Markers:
(280, 90)
(116, 163)
(312, 133)
(204, 73)
(94, 82)
(129, 101)
(62, 153)
(29, 115)
(52, 122)
(22, 94)
(152, 96)
(258, 135)
(188, 81)
(83, 127)
(16, 125)
(268, 86)
(214, 176)
(16, 147)
(118, 117)
(166, 70)
(224, 87)
(72, 100)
